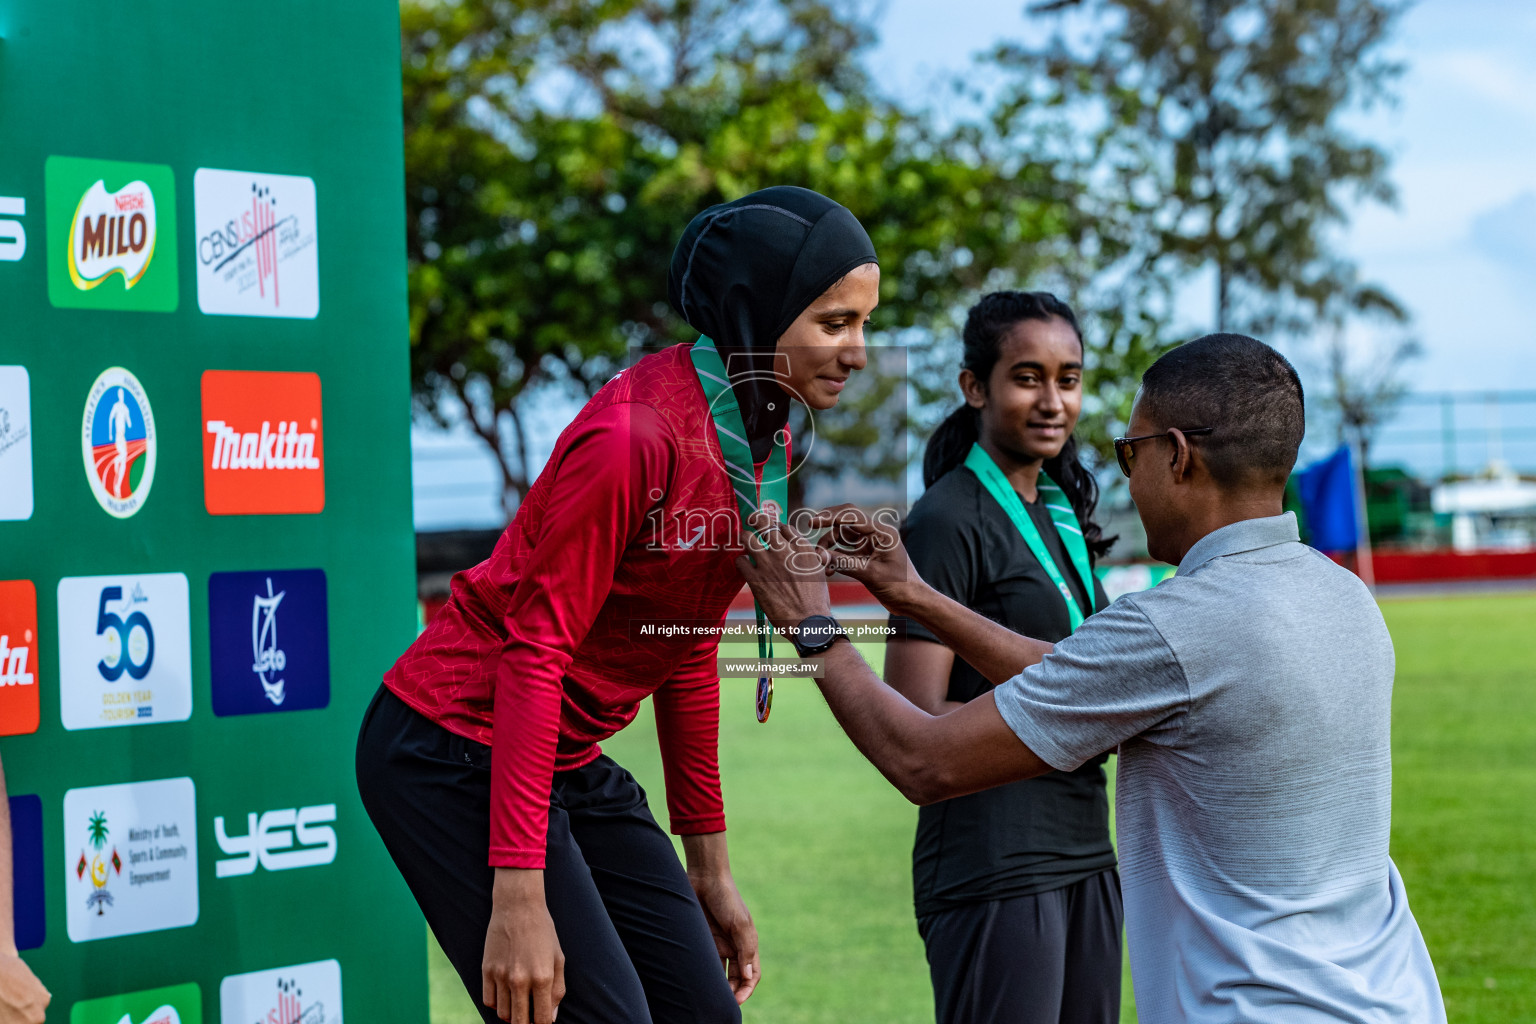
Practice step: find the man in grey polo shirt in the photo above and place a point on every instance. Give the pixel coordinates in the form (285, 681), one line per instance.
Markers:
(1249, 698)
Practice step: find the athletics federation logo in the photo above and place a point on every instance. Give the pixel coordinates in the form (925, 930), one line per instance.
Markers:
(257, 253)
(263, 443)
(15, 443)
(117, 441)
(18, 658)
(268, 644)
(111, 235)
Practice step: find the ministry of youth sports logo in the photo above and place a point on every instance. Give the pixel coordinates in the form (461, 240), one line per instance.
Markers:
(117, 441)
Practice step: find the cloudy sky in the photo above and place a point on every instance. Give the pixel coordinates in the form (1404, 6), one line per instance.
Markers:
(1459, 249)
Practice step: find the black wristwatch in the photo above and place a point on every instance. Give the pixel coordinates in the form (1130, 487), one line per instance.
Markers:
(815, 634)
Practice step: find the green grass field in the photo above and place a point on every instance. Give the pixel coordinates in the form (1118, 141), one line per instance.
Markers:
(820, 844)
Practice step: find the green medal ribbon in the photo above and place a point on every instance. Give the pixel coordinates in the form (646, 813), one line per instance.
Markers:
(742, 472)
(1065, 520)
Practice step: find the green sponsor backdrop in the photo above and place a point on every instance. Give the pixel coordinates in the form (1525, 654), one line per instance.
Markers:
(284, 87)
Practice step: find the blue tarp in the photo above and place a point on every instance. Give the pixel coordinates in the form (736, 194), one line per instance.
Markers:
(1327, 492)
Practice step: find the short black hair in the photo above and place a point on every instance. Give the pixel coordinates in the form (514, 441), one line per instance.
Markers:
(1246, 391)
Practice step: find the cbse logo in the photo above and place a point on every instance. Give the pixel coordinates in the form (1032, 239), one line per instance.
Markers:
(268, 643)
(304, 993)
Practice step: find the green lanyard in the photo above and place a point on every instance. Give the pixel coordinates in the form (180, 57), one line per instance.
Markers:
(992, 478)
(742, 473)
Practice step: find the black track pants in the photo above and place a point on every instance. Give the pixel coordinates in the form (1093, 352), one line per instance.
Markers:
(637, 948)
(1052, 958)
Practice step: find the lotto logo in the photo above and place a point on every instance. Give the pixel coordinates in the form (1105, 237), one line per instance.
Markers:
(18, 657)
(268, 644)
(263, 443)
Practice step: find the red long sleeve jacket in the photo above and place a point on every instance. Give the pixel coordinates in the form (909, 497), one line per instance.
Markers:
(539, 652)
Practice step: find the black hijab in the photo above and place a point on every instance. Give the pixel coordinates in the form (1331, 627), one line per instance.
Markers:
(744, 270)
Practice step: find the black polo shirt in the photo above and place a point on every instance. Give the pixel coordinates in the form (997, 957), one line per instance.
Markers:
(1026, 837)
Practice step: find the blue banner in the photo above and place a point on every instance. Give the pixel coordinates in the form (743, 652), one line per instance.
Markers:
(1327, 491)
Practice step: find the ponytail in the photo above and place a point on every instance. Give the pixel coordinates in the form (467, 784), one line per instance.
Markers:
(950, 443)
(986, 324)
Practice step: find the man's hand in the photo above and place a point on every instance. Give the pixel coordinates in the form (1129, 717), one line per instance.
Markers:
(709, 872)
(869, 551)
(22, 997)
(523, 962)
(789, 578)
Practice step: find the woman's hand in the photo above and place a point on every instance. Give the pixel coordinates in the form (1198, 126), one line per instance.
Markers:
(22, 997)
(709, 872)
(523, 963)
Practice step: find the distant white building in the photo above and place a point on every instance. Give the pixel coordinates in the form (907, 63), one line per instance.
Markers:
(1495, 510)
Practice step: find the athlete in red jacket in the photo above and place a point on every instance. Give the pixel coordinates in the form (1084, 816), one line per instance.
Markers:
(533, 856)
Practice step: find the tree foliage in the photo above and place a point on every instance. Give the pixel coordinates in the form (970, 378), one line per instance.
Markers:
(556, 148)
(1218, 126)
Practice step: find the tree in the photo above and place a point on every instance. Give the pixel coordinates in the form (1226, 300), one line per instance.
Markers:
(1365, 393)
(1216, 125)
(556, 148)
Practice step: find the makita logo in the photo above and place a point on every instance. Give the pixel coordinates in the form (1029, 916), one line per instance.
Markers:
(263, 443)
(287, 447)
(13, 663)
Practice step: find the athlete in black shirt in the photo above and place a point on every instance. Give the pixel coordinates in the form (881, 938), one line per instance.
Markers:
(1016, 893)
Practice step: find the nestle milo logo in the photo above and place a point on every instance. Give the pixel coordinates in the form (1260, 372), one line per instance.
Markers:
(111, 235)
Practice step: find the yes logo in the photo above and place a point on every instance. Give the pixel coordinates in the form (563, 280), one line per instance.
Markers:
(263, 443)
(111, 235)
(125, 650)
(175, 1004)
(278, 841)
(13, 237)
(268, 643)
(18, 657)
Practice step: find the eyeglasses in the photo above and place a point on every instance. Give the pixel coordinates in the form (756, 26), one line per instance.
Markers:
(1125, 449)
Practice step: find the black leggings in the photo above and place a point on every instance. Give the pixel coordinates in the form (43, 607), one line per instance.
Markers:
(637, 947)
(1051, 958)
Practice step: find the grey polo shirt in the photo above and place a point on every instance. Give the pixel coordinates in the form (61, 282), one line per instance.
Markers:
(1250, 699)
